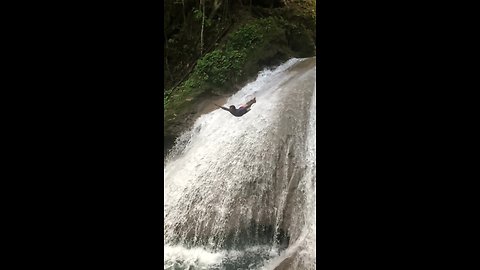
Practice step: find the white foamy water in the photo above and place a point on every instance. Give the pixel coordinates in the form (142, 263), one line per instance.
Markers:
(240, 191)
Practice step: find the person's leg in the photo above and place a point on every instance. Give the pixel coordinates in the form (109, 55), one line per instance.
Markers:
(251, 102)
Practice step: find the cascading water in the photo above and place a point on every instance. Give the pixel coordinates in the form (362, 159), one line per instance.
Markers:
(240, 191)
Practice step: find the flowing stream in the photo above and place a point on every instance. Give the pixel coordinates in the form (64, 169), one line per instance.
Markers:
(240, 191)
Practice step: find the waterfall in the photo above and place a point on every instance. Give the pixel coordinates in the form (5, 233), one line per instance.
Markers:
(240, 191)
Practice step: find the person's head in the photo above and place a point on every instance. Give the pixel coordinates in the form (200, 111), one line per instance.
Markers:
(232, 108)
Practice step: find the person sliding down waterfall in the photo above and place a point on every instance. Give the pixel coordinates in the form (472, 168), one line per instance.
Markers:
(243, 109)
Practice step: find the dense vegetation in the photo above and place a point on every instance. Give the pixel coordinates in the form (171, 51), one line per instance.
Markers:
(212, 46)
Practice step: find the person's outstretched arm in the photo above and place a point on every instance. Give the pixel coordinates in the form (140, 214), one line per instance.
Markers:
(223, 107)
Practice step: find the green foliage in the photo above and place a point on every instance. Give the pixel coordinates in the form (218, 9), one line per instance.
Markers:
(245, 37)
(223, 67)
(253, 33)
(217, 67)
(197, 14)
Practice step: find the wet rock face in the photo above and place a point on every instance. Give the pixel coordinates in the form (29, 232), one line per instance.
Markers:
(239, 238)
(258, 213)
(285, 264)
(202, 106)
(168, 142)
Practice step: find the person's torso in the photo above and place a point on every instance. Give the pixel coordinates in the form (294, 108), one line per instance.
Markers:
(240, 111)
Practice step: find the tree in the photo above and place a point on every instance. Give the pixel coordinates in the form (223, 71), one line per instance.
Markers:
(203, 26)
